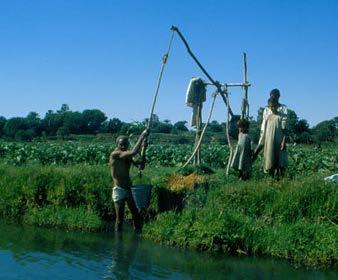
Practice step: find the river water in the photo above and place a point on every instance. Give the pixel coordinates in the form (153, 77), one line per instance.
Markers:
(35, 253)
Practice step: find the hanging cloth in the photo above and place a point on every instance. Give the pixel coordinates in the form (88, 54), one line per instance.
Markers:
(195, 96)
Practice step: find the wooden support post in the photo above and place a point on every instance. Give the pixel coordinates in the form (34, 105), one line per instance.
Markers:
(245, 103)
(197, 157)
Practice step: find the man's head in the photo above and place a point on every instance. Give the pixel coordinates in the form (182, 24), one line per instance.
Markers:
(122, 142)
(275, 93)
(243, 125)
(273, 104)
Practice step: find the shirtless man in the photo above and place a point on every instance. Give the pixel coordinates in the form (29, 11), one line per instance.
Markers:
(120, 162)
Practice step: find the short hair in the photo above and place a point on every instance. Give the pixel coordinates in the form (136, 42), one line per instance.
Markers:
(275, 92)
(243, 123)
(273, 101)
(121, 137)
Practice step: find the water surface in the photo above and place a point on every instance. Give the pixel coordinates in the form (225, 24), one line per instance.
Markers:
(35, 253)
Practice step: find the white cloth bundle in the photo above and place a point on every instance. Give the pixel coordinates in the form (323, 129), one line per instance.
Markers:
(195, 96)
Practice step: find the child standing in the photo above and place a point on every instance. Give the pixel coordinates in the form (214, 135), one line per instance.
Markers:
(273, 141)
(242, 158)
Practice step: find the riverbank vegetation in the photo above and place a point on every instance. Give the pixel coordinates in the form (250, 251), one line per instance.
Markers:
(291, 219)
(67, 186)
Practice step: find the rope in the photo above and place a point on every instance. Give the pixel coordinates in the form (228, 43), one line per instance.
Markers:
(228, 136)
(164, 62)
(203, 131)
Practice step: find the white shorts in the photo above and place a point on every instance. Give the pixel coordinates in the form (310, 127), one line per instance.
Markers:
(120, 194)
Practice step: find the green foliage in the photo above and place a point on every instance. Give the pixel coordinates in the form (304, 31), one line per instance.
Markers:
(34, 187)
(302, 159)
(66, 218)
(180, 126)
(2, 125)
(199, 169)
(292, 219)
(326, 130)
(295, 218)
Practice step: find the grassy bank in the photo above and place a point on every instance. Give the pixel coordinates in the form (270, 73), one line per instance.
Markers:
(70, 197)
(291, 219)
(295, 218)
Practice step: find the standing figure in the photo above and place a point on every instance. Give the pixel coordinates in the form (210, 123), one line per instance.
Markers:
(273, 141)
(120, 162)
(242, 158)
(281, 109)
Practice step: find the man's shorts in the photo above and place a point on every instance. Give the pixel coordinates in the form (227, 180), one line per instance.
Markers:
(120, 194)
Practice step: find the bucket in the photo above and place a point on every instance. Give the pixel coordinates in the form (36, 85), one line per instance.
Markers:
(141, 195)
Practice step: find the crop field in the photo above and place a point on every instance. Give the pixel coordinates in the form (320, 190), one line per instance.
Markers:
(301, 158)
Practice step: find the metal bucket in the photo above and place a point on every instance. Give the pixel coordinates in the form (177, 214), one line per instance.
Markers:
(141, 195)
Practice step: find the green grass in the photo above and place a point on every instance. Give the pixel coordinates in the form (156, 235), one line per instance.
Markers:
(292, 219)
(32, 190)
(66, 218)
(71, 197)
(295, 218)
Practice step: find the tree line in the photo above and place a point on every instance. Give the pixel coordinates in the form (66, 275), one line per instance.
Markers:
(64, 122)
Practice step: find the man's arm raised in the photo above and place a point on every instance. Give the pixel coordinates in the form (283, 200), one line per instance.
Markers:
(136, 149)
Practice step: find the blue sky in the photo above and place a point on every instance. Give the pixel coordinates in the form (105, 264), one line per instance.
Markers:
(107, 55)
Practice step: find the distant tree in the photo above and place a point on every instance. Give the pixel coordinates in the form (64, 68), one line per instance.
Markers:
(52, 122)
(64, 108)
(34, 123)
(163, 127)
(292, 120)
(335, 120)
(155, 118)
(74, 123)
(302, 126)
(93, 120)
(180, 126)
(326, 130)
(158, 126)
(215, 127)
(63, 132)
(302, 132)
(115, 125)
(112, 126)
(24, 135)
(2, 125)
(133, 128)
(304, 137)
(14, 125)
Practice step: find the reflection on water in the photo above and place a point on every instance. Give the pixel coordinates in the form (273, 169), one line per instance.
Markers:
(34, 253)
